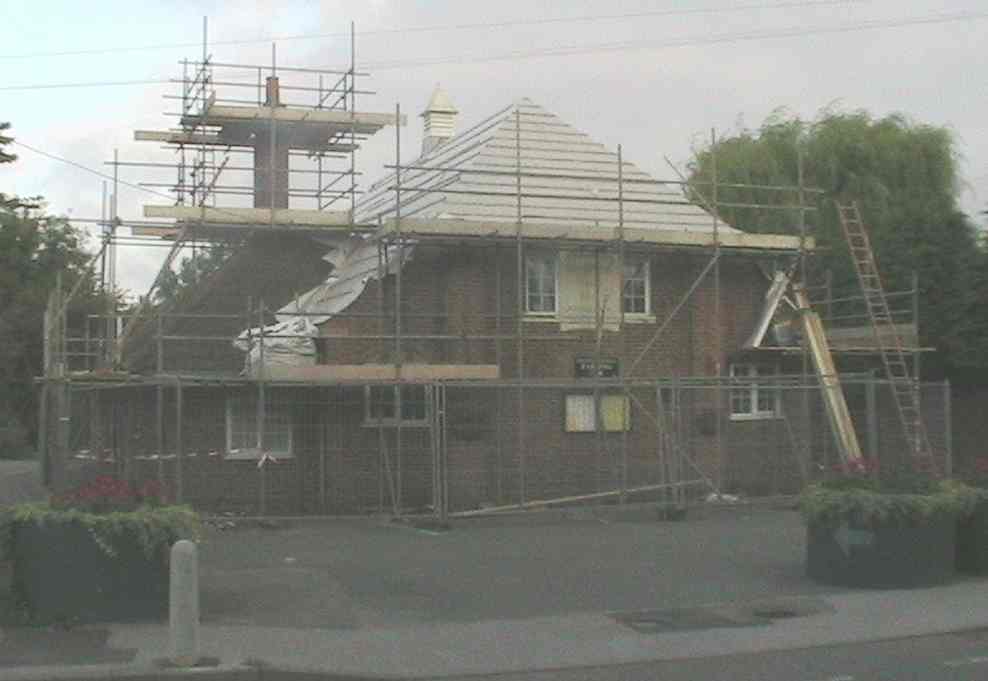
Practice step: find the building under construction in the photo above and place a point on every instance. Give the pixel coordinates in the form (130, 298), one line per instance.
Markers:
(518, 317)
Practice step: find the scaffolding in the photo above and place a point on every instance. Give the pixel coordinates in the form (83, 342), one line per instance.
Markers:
(513, 202)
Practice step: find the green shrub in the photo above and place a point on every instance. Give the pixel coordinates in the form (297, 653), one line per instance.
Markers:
(866, 502)
(155, 528)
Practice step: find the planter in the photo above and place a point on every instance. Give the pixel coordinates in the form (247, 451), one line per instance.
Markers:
(889, 554)
(62, 574)
(972, 541)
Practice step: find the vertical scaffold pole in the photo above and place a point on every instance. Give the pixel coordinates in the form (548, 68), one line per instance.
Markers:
(805, 359)
(625, 417)
(718, 333)
(261, 414)
(519, 328)
(498, 359)
(160, 405)
(398, 273)
(179, 446)
(948, 432)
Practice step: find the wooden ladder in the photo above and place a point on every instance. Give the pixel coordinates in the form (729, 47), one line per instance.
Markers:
(905, 389)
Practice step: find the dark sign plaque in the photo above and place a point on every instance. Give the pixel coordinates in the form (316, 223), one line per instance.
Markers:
(584, 367)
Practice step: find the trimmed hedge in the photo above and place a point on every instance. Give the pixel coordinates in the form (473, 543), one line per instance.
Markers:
(77, 566)
(869, 504)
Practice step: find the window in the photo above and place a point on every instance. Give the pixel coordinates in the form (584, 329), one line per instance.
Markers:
(242, 432)
(751, 400)
(581, 417)
(541, 278)
(380, 405)
(635, 296)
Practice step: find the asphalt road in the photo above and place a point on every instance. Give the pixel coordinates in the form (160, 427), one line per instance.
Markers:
(357, 574)
(20, 482)
(946, 657)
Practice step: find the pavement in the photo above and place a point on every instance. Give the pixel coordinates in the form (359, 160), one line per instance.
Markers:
(20, 482)
(538, 591)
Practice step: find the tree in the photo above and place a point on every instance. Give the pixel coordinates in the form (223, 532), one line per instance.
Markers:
(904, 176)
(9, 202)
(192, 271)
(34, 248)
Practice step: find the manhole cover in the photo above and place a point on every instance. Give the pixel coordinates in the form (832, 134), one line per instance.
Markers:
(760, 613)
(680, 619)
(775, 613)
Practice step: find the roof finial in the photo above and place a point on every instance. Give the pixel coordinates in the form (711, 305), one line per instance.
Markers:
(440, 120)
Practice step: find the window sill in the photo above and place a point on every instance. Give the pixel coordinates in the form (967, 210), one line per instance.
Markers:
(758, 416)
(255, 455)
(553, 318)
(393, 423)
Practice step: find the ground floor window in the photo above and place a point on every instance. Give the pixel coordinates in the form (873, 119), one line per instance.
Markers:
(381, 408)
(752, 399)
(581, 416)
(243, 434)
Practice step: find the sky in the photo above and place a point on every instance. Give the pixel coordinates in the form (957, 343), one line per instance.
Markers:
(655, 76)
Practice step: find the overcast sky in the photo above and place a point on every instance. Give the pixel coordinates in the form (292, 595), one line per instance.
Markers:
(655, 76)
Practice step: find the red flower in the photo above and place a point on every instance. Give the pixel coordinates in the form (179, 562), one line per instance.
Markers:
(107, 493)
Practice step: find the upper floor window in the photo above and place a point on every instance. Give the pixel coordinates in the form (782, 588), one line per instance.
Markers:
(541, 283)
(752, 399)
(381, 407)
(635, 296)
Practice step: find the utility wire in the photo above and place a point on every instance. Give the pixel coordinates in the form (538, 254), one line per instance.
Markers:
(105, 176)
(569, 50)
(80, 166)
(791, 32)
(450, 27)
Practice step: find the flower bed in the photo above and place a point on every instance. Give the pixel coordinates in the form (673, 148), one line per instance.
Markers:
(972, 528)
(98, 553)
(866, 531)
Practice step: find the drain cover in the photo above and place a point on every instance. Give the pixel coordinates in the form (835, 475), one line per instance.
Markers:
(774, 613)
(761, 613)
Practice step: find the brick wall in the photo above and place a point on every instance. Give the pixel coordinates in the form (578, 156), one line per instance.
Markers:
(271, 268)
(338, 464)
(453, 291)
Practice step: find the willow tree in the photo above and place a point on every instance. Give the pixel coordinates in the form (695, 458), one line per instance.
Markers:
(904, 176)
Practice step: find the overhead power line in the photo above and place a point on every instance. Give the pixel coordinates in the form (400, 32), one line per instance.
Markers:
(86, 168)
(792, 4)
(98, 83)
(569, 50)
(106, 176)
(767, 34)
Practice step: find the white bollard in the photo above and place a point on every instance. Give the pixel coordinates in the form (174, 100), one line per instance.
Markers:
(183, 604)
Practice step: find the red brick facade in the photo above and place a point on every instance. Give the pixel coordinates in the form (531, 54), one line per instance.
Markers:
(496, 453)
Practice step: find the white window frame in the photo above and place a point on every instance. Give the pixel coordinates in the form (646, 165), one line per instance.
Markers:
(593, 427)
(647, 263)
(271, 409)
(750, 370)
(372, 421)
(552, 257)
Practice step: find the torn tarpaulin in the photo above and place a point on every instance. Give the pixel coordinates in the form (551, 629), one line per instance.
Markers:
(287, 343)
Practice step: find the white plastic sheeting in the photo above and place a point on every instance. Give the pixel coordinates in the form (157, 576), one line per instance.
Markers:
(286, 343)
(355, 263)
(291, 341)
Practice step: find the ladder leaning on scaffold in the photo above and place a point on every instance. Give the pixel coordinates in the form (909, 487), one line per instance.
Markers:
(905, 388)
